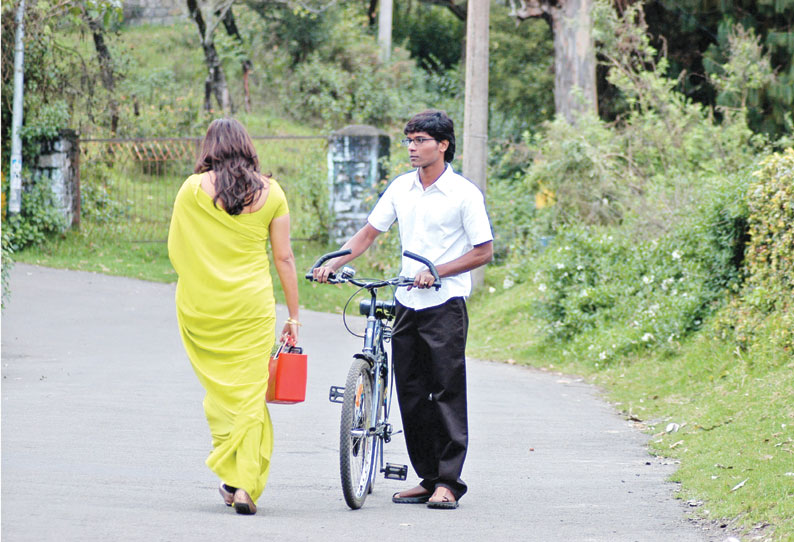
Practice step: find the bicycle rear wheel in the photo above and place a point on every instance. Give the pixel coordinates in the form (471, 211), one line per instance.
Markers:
(357, 446)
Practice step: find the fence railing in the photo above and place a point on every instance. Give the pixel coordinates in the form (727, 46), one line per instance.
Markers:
(128, 185)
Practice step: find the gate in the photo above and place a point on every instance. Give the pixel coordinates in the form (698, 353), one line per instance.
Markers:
(128, 186)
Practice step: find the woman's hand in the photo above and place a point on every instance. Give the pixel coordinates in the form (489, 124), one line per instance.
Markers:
(289, 334)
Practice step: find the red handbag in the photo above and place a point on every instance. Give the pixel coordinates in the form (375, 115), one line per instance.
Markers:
(286, 383)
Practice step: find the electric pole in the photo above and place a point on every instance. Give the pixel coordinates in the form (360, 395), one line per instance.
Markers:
(15, 182)
(384, 29)
(475, 112)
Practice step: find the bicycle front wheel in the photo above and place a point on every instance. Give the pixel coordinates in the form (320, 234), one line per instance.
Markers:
(357, 446)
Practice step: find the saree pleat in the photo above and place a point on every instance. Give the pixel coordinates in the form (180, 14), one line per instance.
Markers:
(226, 314)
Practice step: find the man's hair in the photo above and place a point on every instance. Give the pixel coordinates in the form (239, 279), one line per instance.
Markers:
(436, 124)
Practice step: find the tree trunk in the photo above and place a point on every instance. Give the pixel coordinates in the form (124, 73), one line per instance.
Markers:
(231, 29)
(574, 59)
(216, 80)
(574, 54)
(107, 72)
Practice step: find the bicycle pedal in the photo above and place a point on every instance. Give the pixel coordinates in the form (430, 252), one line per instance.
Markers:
(395, 472)
(336, 394)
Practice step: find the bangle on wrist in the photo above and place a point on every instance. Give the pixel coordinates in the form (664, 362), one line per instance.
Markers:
(293, 322)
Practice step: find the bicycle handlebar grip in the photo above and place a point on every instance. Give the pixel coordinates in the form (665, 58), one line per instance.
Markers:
(428, 263)
(324, 258)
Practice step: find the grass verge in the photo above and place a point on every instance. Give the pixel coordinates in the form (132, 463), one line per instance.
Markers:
(734, 411)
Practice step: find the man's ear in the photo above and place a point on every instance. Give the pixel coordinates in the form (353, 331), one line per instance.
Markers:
(443, 145)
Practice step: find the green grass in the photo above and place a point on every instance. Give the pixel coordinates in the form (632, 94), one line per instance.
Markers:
(735, 409)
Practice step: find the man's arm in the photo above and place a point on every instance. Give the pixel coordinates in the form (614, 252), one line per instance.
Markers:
(357, 244)
(479, 255)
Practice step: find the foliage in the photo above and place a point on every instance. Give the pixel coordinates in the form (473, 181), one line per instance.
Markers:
(62, 82)
(520, 75)
(697, 36)
(38, 219)
(766, 298)
(344, 82)
(99, 201)
(432, 35)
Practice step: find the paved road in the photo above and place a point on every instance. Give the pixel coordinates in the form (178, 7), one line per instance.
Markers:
(103, 438)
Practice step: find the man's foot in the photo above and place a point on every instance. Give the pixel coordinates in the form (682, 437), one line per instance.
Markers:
(442, 499)
(227, 492)
(243, 504)
(416, 495)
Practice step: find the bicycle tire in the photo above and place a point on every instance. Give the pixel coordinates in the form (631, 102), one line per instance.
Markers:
(356, 447)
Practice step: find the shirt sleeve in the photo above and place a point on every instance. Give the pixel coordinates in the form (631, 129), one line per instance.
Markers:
(475, 219)
(384, 214)
(280, 200)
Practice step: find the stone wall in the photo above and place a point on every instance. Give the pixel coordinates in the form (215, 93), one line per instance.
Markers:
(355, 166)
(154, 11)
(58, 165)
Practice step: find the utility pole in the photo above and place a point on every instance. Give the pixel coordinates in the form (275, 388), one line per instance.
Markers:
(475, 112)
(384, 29)
(15, 184)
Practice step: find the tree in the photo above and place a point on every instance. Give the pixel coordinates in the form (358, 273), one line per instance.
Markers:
(100, 16)
(207, 17)
(697, 36)
(574, 54)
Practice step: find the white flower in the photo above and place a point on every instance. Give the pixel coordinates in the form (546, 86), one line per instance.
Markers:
(560, 266)
(602, 356)
(676, 255)
(647, 279)
(507, 283)
(584, 293)
(580, 268)
(542, 287)
(647, 337)
(491, 290)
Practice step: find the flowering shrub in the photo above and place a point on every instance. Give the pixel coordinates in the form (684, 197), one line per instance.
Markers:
(607, 293)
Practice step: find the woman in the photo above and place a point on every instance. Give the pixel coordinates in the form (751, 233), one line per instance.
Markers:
(223, 216)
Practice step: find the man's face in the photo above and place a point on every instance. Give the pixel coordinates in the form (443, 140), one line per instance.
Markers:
(426, 153)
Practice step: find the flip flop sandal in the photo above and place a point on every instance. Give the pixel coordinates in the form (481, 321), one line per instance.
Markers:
(418, 499)
(446, 504)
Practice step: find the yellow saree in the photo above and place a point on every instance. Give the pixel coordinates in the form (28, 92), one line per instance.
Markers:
(226, 314)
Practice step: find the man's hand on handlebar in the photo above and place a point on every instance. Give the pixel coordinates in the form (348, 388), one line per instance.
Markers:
(423, 280)
(323, 273)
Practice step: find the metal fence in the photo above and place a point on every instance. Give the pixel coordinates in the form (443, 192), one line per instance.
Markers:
(128, 186)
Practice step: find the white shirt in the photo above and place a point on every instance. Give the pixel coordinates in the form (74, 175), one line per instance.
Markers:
(441, 223)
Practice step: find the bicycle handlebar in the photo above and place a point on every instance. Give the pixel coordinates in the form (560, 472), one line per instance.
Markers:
(324, 258)
(398, 281)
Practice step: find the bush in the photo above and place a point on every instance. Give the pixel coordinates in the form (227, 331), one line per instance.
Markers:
(38, 218)
(766, 298)
(606, 293)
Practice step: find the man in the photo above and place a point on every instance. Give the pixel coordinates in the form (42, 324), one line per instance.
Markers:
(442, 217)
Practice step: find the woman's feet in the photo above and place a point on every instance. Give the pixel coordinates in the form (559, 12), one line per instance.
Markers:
(227, 492)
(242, 502)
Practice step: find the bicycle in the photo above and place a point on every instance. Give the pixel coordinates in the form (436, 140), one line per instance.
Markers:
(366, 395)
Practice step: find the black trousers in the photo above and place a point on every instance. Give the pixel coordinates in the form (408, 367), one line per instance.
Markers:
(429, 352)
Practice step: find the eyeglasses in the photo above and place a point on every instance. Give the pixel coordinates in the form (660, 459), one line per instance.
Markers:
(418, 140)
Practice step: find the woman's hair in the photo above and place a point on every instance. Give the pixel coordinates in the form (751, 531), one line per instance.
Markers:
(437, 125)
(228, 151)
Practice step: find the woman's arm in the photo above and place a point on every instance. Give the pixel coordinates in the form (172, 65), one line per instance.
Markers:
(285, 266)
